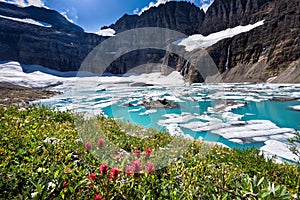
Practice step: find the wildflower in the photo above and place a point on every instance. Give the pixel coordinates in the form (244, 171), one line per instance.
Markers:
(100, 143)
(34, 194)
(149, 167)
(114, 172)
(103, 169)
(98, 197)
(129, 170)
(88, 146)
(79, 140)
(136, 165)
(65, 184)
(68, 170)
(138, 153)
(92, 176)
(148, 152)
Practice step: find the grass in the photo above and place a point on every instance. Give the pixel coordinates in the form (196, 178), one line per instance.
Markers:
(42, 157)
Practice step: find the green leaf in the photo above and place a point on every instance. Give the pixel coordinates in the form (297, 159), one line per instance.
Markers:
(260, 181)
(56, 174)
(225, 196)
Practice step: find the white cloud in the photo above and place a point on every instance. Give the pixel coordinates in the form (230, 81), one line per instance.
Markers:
(205, 4)
(153, 4)
(37, 3)
(136, 11)
(26, 3)
(106, 32)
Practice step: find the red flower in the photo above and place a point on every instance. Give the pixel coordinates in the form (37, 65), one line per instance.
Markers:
(88, 146)
(65, 184)
(100, 143)
(92, 176)
(103, 169)
(138, 153)
(114, 172)
(98, 197)
(148, 152)
(129, 170)
(136, 165)
(149, 168)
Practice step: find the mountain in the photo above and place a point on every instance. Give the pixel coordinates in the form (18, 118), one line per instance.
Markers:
(180, 16)
(41, 36)
(271, 50)
(268, 51)
(48, 16)
(33, 35)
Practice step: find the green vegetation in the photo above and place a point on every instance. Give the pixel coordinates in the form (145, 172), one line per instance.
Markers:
(41, 157)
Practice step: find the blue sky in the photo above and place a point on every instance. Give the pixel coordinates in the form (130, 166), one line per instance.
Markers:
(93, 14)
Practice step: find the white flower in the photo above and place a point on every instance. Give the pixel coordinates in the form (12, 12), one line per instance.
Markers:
(34, 194)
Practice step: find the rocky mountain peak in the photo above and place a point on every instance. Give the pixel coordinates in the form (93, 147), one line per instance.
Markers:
(51, 17)
(180, 16)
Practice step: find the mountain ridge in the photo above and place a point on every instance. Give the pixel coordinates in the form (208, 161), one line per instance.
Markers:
(256, 56)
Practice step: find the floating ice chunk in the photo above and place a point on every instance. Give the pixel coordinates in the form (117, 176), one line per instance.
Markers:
(196, 126)
(239, 141)
(297, 107)
(231, 117)
(199, 126)
(103, 105)
(260, 139)
(173, 98)
(175, 118)
(147, 112)
(243, 132)
(279, 149)
(282, 136)
(134, 110)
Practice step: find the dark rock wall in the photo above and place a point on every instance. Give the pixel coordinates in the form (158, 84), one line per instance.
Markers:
(30, 44)
(257, 55)
(183, 17)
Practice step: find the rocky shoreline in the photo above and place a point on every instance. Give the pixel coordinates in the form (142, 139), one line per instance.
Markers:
(15, 94)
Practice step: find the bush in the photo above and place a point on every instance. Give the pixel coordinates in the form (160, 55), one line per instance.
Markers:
(42, 157)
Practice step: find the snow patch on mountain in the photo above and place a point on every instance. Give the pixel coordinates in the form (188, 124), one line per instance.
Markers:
(206, 4)
(28, 21)
(199, 41)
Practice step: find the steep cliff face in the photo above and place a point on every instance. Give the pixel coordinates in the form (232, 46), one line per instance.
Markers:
(266, 51)
(63, 46)
(51, 17)
(230, 13)
(180, 16)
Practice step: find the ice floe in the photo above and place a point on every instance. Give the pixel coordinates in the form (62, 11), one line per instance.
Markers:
(277, 148)
(297, 107)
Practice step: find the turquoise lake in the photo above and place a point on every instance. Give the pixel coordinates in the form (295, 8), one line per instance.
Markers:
(236, 115)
